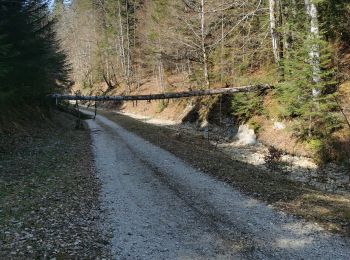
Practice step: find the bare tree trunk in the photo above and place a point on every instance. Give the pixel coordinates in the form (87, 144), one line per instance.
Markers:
(222, 50)
(128, 59)
(189, 71)
(273, 29)
(121, 39)
(138, 77)
(161, 76)
(204, 49)
(289, 13)
(314, 52)
(280, 37)
(276, 20)
(174, 95)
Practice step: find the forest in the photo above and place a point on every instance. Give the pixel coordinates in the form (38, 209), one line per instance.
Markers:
(243, 151)
(299, 47)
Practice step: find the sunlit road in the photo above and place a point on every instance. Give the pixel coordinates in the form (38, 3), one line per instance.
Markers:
(161, 208)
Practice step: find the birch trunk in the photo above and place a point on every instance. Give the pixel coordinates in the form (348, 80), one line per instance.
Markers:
(314, 52)
(273, 29)
(276, 21)
(204, 49)
(222, 50)
(128, 52)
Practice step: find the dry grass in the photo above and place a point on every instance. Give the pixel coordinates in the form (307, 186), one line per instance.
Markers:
(329, 209)
(283, 139)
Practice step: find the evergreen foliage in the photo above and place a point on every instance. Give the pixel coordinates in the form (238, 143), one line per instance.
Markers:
(246, 105)
(4, 50)
(32, 64)
(314, 114)
(335, 20)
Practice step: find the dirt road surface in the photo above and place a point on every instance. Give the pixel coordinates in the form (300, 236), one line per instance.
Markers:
(159, 207)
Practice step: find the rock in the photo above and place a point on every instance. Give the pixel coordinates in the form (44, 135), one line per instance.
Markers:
(278, 126)
(204, 124)
(206, 133)
(245, 136)
(231, 132)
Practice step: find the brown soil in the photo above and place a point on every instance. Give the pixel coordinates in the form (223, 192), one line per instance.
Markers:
(166, 109)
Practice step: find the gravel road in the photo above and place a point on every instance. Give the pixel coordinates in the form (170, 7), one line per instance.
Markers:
(159, 207)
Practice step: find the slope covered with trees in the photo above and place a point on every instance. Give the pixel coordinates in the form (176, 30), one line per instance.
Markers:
(301, 47)
(213, 41)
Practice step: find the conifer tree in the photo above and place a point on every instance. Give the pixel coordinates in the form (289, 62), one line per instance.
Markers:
(4, 50)
(30, 52)
(314, 114)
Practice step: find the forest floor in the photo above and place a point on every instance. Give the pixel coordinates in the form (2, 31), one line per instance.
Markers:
(331, 211)
(49, 194)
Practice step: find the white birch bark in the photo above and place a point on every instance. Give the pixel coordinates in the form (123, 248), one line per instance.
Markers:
(128, 58)
(273, 30)
(204, 49)
(222, 50)
(314, 52)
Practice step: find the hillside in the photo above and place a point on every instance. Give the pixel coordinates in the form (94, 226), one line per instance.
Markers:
(161, 46)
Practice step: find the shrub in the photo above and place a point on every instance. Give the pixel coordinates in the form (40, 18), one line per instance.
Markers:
(255, 125)
(273, 158)
(246, 105)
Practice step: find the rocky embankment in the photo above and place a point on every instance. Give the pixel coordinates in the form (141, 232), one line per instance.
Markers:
(243, 145)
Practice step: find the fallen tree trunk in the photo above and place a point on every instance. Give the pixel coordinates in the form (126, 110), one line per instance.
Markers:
(173, 95)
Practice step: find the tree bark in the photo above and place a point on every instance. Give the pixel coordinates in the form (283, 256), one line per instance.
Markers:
(273, 29)
(128, 58)
(161, 76)
(314, 52)
(276, 20)
(121, 39)
(195, 93)
(204, 49)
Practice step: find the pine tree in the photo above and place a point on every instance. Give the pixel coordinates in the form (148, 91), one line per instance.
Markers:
(4, 50)
(313, 113)
(35, 65)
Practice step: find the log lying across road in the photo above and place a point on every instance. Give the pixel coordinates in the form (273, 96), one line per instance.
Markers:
(172, 95)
